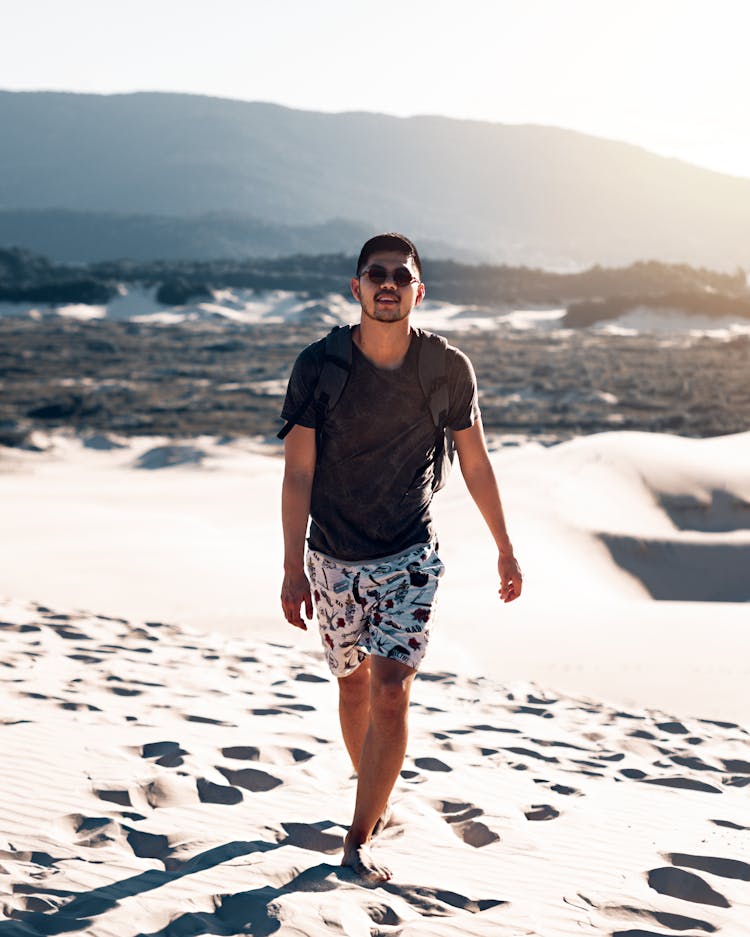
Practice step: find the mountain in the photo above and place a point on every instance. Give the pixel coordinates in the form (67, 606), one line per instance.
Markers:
(516, 194)
(79, 236)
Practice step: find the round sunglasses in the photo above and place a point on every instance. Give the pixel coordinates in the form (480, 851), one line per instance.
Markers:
(377, 275)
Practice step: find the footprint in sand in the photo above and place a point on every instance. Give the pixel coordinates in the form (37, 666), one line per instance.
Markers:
(206, 720)
(275, 755)
(93, 832)
(678, 922)
(463, 822)
(312, 836)
(242, 752)
(437, 902)
(147, 845)
(251, 779)
(676, 883)
(167, 754)
(532, 753)
(541, 812)
(119, 797)
(71, 635)
(432, 764)
(12, 626)
(559, 788)
(687, 783)
(730, 825)
(726, 868)
(210, 793)
(311, 678)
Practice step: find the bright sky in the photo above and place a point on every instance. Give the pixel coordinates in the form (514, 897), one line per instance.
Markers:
(669, 75)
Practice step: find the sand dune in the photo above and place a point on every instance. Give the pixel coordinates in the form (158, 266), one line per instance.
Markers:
(578, 761)
(189, 532)
(158, 781)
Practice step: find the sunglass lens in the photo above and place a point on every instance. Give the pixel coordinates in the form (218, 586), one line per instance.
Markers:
(377, 274)
(402, 276)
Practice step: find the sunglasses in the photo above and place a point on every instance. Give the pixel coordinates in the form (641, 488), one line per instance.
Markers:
(377, 275)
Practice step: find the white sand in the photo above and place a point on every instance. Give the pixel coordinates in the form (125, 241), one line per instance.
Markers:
(199, 544)
(564, 774)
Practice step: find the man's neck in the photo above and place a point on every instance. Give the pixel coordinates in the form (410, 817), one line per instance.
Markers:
(385, 344)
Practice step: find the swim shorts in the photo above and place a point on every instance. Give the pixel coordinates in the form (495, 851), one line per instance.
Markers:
(380, 607)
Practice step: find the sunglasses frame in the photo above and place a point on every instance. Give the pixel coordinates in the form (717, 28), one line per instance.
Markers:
(388, 275)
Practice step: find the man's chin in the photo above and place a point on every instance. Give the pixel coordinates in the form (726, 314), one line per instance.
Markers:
(387, 315)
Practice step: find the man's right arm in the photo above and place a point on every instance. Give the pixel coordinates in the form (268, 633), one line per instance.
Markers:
(299, 469)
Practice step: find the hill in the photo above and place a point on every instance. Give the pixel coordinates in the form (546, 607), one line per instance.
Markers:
(505, 194)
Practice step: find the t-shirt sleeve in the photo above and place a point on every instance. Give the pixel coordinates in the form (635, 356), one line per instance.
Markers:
(463, 409)
(302, 381)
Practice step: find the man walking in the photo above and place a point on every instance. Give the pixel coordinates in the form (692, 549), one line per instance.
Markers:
(364, 472)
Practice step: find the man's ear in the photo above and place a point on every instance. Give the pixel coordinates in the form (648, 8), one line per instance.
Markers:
(420, 294)
(354, 284)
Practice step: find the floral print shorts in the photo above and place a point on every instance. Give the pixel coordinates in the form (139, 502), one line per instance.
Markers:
(380, 607)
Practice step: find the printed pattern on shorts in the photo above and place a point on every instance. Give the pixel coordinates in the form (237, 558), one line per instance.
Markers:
(380, 607)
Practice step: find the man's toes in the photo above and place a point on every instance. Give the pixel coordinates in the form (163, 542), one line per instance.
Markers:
(361, 862)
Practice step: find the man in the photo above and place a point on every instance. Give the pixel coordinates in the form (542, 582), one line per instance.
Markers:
(365, 477)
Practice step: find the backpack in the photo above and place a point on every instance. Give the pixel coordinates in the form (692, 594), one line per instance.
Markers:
(433, 379)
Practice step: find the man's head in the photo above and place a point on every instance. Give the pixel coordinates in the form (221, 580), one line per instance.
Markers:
(391, 242)
(388, 284)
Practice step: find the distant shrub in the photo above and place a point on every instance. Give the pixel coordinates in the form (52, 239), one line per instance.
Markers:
(177, 291)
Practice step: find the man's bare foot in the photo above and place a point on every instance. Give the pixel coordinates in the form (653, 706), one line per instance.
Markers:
(359, 859)
(383, 820)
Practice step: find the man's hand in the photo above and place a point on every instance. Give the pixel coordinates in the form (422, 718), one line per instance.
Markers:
(511, 579)
(295, 592)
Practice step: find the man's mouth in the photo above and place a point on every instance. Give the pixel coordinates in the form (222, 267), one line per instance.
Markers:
(388, 298)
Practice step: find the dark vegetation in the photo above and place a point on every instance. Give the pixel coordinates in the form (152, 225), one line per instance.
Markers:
(591, 295)
(705, 303)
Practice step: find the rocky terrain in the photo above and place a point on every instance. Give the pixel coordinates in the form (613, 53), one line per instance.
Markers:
(135, 378)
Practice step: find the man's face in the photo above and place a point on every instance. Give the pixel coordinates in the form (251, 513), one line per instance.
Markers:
(386, 302)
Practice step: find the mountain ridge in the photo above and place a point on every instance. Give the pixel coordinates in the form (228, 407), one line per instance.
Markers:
(520, 193)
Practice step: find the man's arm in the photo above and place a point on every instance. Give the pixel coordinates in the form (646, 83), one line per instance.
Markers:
(482, 484)
(299, 468)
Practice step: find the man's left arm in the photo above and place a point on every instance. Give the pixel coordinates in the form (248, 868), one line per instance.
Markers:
(479, 476)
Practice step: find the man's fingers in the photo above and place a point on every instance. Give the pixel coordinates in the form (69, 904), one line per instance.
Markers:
(292, 611)
(510, 588)
(294, 618)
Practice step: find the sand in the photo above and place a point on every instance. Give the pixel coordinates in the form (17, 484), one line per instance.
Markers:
(577, 761)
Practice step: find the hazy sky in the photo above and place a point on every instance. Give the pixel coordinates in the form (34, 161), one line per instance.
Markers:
(670, 75)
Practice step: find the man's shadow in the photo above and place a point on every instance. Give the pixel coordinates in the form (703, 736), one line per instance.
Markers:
(241, 909)
(249, 911)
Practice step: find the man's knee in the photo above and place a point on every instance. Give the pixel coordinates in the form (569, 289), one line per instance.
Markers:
(390, 686)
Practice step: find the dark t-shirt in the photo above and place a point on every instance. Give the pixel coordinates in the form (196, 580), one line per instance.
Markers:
(373, 481)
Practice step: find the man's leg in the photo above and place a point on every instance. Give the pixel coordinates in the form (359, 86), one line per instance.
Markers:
(354, 709)
(381, 760)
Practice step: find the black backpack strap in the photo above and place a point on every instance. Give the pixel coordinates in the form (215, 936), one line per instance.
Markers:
(433, 377)
(327, 390)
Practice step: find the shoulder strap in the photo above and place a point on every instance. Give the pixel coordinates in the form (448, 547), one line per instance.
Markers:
(433, 377)
(337, 364)
(327, 390)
